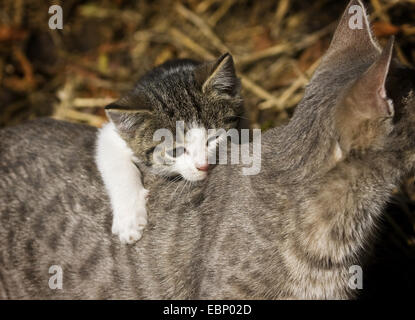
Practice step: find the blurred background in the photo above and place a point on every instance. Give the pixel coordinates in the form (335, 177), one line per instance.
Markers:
(105, 46)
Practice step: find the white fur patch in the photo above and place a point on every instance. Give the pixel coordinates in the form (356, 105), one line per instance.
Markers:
(122, 180)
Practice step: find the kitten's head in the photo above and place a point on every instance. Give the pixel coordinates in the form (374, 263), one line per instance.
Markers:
(195, 96)
(359, 101)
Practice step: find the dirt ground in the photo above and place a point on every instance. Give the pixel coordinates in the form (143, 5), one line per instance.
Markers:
(105, 46)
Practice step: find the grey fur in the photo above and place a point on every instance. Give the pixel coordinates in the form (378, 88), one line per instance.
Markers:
(290, 232)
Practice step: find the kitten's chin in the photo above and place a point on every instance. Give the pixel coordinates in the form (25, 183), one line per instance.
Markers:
(194, 176)
(189, 175)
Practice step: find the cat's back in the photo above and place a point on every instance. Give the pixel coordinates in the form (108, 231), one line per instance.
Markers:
(45, 156)
(41, 141)
(48, 183)
(44, 128)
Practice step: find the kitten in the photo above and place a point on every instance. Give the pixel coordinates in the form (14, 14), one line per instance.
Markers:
(202, 95)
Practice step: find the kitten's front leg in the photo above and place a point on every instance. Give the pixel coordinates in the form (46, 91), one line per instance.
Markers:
(122, 180)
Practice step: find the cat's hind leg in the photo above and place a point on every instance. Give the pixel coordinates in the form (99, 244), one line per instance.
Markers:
(122, 181)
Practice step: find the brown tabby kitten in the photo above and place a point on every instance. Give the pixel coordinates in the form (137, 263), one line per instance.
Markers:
(292, 231)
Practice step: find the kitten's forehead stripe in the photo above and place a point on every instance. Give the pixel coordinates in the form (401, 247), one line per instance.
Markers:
(194, 103)
(158, 98)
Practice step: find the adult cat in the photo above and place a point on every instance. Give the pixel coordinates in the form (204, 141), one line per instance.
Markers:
(292, 231)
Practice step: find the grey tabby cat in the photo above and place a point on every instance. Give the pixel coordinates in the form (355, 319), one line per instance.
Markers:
(291, 231)
(187, 98)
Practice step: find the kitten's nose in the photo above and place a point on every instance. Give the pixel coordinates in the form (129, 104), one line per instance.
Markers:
(203, 167)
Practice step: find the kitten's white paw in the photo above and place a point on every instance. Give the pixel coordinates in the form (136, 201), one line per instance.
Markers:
(129, 226)
(129, 236)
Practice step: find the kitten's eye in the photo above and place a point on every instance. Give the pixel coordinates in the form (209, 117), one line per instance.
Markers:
(176, 152)
(150, 151)
(231, 119)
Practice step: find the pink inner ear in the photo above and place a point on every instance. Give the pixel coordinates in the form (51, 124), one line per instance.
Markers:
(375, 76)
(369, 93)
(382, 92)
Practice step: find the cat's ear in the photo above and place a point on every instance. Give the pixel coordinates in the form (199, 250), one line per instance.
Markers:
(368, 92)
(364, 105)
(353, 39)
(128, 112)
(218, 76)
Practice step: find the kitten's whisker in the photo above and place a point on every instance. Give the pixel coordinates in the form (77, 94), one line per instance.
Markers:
(174, 192)
(184, 186)
(173, 181)
(190, 188)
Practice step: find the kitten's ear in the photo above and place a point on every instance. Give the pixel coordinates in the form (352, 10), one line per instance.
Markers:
(128, 112)
(219, 76)
(353, 39)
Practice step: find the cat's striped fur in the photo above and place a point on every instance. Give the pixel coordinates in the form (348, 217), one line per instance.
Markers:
(292, 231)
